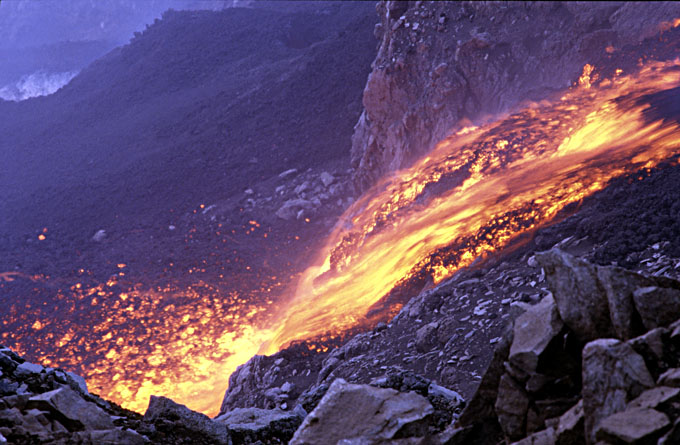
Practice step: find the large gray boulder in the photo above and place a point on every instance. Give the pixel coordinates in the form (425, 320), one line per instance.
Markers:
(162, 409)
(634, 426)
(364, 414)
(533, 331)
(579, 297)
(613, 375)
(71, 409)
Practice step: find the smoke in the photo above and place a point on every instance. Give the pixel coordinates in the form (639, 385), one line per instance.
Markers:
(37, 84)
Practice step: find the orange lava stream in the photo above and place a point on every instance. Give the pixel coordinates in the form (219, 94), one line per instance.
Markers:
(504, 179)
(477, 191)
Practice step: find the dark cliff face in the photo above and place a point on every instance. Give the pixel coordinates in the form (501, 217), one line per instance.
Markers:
(441, 65)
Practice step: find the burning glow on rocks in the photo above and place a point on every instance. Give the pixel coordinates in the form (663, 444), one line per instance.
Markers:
(479, 190)
(475, 193)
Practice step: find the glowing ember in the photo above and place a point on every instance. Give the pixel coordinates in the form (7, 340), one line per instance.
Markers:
(477, 191)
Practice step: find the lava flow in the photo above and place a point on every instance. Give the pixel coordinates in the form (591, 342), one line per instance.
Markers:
(473, 194)
(480, 189)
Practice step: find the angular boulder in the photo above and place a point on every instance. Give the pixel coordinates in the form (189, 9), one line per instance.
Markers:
(364, 413)
(256, 424)
(634, 426)
(163, 409)
(613, 374)
(71, 410)
(580, 299)
(657, 306)
(533, 331)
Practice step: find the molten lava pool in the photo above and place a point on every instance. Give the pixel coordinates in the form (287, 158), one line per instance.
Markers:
(474, 194)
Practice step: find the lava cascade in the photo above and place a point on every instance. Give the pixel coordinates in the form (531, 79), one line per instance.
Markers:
(480, 189)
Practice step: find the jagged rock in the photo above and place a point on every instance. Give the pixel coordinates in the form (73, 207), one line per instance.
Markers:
(579, 298)
(25, 369)
(253, 424)
(613, 374)
(162, 408)
(511, 406)
(533, 331)
(638, 426)
(245, 384)
(570, 429)
(652, 346)
(618, 285)
(658, 306)
(655, 397)
(312, 396)
(670, 378)
(373, 414)
(80, 381)
(71, 410)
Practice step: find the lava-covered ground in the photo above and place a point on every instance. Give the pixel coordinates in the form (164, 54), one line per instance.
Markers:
(174, 146)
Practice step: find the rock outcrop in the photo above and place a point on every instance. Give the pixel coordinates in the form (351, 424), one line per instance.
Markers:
(576, 382)
(364, 414)
(442, 64)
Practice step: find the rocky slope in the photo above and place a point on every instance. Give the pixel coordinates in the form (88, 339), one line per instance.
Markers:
(443, 64)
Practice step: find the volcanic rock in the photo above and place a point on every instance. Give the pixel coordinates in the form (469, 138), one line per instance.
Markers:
(637, 425)
(534, 330)
(249, 425)
(71, 410)
(364, 414)
(613, 374)
(581, 302)
(163, 410)
(570, 429)
(511, 406)
(289, 210)
(670, 378)
(658, 306)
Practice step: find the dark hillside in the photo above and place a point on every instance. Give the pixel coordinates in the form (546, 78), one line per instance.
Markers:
(187, 111)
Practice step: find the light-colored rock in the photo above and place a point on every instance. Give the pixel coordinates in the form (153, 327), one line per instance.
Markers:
(613, 374)
(533, 331)
(670, 378)
(579, 298)
(82, 384)
(99, 236)
(349, 411)
(162, 408)
(255, 424)
(570, 429)
(71, 409)
(25, 369)
(290, 208)
(639, 425)
(287, 173)
(326, 179)
(657, 306)
(653, 398)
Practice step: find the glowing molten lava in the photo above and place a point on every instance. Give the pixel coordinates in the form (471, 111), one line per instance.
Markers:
(477, 191)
